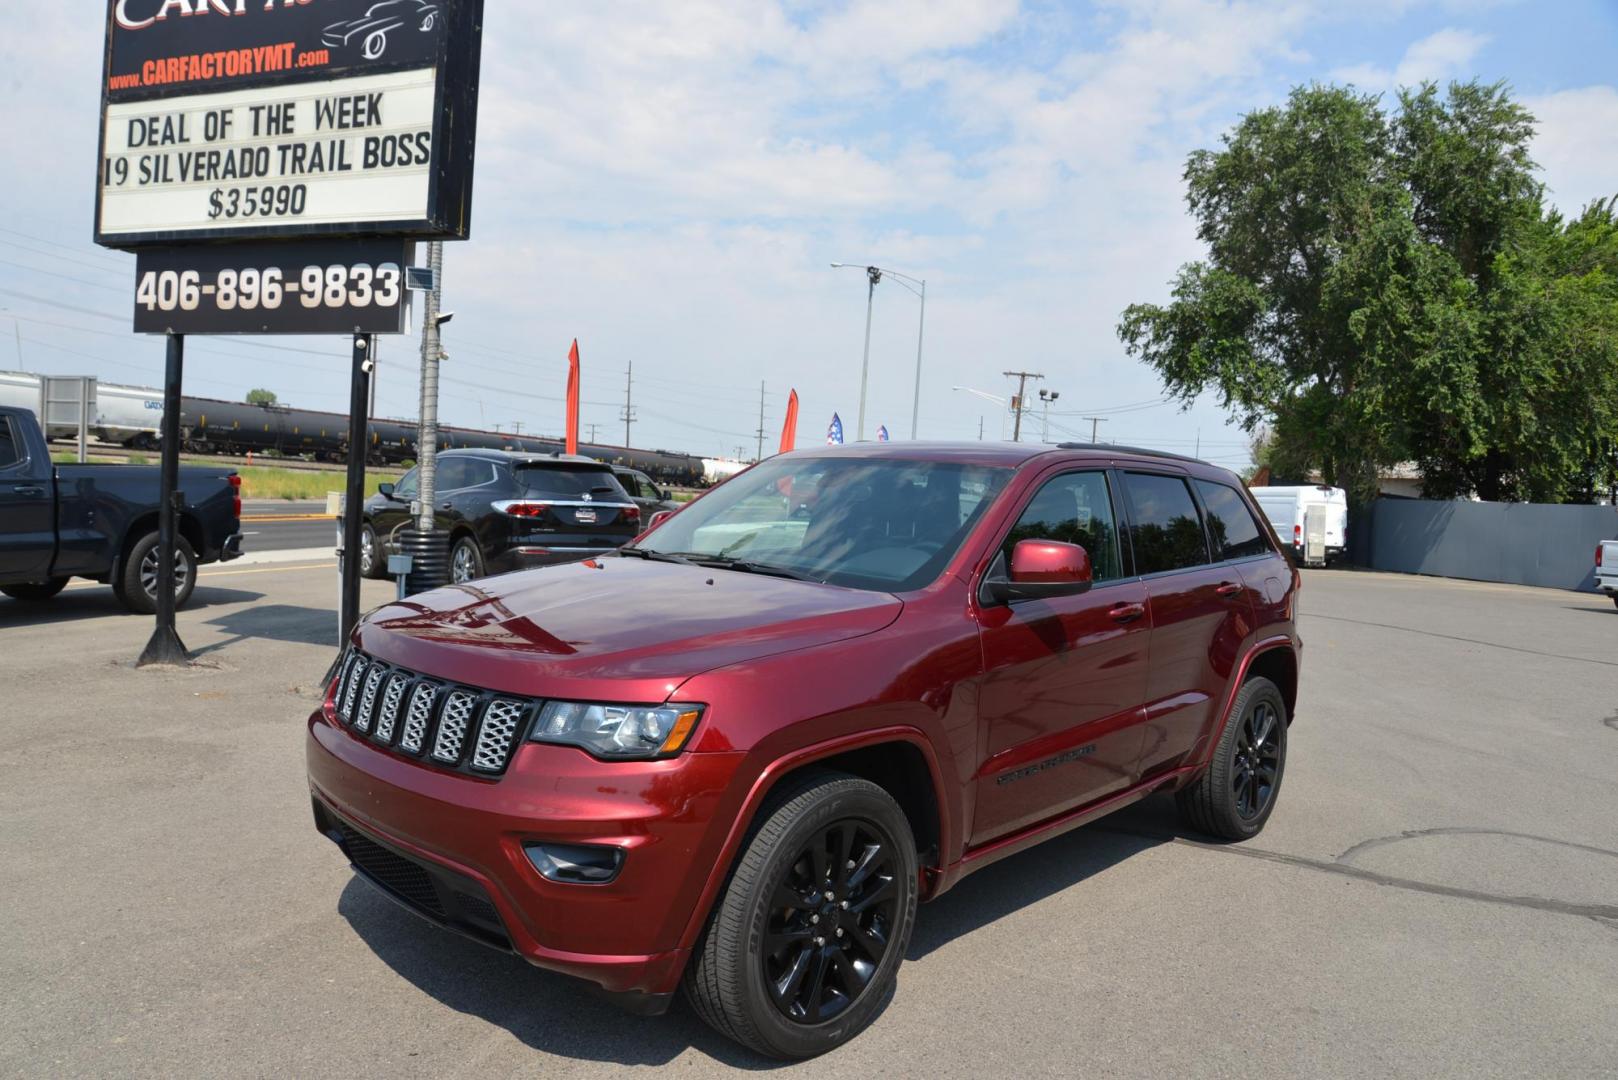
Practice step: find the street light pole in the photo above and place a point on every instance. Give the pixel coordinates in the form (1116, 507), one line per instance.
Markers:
(921, 328)
(915, 285)
(875, 276)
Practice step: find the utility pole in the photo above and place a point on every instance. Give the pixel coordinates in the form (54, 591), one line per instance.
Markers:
(1017, 403)
(376, 349)
(593, 432)
(980, 427)
(1046, 397)
(516, 427)
(428, 549)
(1198, 451)
(628, 416)
(1095, 422)
(760, 455)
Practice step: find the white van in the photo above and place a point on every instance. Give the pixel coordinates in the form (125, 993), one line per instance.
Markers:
(1288, 510)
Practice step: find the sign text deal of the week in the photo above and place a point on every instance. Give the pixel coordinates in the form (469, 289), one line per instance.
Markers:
(303, 154)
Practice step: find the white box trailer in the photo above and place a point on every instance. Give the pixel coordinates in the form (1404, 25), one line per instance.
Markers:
(1312, 518)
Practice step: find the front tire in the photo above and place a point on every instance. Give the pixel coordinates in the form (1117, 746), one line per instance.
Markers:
(803, 948)
(1236, 794)
(35, 593)
(137, 581)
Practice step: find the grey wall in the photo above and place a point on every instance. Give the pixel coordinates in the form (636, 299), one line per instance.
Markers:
(1521, 543)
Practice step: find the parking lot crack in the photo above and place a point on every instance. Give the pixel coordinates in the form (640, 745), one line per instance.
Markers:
(1605, 914)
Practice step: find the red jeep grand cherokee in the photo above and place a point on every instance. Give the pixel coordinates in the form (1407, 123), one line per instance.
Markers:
(738, 751)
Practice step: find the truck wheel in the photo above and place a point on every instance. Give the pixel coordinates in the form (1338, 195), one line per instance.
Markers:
(373, 564)
(137, 583)
(35, 593)
(1234, 796)
(803, 948)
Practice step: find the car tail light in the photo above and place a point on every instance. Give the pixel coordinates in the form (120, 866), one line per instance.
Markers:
(235, 495)
(632, 515)
(520, 509)
(1598, 553)
(1297, 535)
(659, 517)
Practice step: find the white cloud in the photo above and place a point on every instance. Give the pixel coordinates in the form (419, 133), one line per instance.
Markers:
(1447, 54)
(1577, 145)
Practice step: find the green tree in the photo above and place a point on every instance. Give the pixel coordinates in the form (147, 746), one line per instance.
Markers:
(1381, 288)
(261, 397)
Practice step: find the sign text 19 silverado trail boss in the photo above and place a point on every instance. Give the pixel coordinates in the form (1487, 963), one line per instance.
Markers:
(737, 752)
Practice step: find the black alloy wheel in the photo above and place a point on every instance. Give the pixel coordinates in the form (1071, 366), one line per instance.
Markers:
(832, 921)
(1234, 796)
(803, 948)
(1258, 760)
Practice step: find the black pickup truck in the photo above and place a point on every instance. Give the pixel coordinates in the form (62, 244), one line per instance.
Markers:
(100, 521)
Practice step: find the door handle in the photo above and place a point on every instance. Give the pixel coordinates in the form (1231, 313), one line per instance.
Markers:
(446, 506)
(1230, 588)
(32, 491)
(1126, 612)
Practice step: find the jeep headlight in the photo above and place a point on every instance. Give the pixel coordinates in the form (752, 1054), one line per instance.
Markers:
(618, 732)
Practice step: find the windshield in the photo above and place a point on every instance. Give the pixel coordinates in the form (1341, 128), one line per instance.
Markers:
(567, 482)
(867, 523)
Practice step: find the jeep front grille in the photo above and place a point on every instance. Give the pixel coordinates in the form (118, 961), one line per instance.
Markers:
(450, 726)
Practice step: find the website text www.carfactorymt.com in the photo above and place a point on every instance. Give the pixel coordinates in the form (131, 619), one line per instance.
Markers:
(225, 64)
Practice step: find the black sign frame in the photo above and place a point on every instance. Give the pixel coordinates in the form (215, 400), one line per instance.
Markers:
(449, 195)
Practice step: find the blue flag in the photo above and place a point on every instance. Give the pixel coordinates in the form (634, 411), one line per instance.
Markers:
(882, 433)
(834, 434)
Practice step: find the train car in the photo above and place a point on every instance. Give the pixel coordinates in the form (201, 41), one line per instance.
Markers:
(132, 416)
(716, 470)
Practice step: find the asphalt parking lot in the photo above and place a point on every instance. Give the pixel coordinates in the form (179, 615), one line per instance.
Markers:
(1436, 895)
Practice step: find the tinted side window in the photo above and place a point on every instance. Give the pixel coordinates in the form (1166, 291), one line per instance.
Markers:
(1231, 528)
(451, 474)
(1164, 526)
(9, 452)
(1075, 509)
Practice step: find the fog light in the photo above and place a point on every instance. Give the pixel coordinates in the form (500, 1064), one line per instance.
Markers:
(575, 864)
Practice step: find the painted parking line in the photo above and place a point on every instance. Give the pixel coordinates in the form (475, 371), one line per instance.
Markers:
(227, 573)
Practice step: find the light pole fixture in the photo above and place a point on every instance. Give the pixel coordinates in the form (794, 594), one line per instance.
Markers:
(1046, 397)
(986, 396)
(916, 285)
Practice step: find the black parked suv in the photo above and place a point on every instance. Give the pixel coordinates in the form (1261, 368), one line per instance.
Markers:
(506, 511)
(647, 495)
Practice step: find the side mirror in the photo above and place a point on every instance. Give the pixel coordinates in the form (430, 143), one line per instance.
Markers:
(385, 490)
(662, 494)
(658, 518)
(1043, 570)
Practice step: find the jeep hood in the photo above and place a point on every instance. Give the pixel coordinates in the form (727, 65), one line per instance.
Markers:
(613, 629)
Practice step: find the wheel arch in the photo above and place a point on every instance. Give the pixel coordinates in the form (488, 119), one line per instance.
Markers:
(900, 760)
(187, 525)
(1274, 658)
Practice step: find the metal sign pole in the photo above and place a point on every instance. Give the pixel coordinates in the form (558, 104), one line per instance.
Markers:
(165, 646)
(353, 504)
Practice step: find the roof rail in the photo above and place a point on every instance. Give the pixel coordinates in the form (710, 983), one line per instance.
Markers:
(1115, 449)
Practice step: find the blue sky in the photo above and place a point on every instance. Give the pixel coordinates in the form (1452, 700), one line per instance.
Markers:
(668, 182)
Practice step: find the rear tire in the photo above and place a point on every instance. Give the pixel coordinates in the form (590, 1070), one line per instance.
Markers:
(1236, 793)
(373, 564)
(130, 587)
(785, 969)
(465, 561)
(35, 593)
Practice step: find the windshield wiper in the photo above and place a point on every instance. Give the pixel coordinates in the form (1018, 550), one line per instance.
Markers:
(655, 556)
(748, 566)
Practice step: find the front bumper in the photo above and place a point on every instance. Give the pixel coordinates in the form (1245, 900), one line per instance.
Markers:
(625, 936)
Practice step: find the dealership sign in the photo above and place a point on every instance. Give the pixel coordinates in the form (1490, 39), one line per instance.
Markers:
(269, 119)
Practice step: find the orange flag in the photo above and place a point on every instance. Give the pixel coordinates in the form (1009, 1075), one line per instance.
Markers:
(573, 398)
(789, 430)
